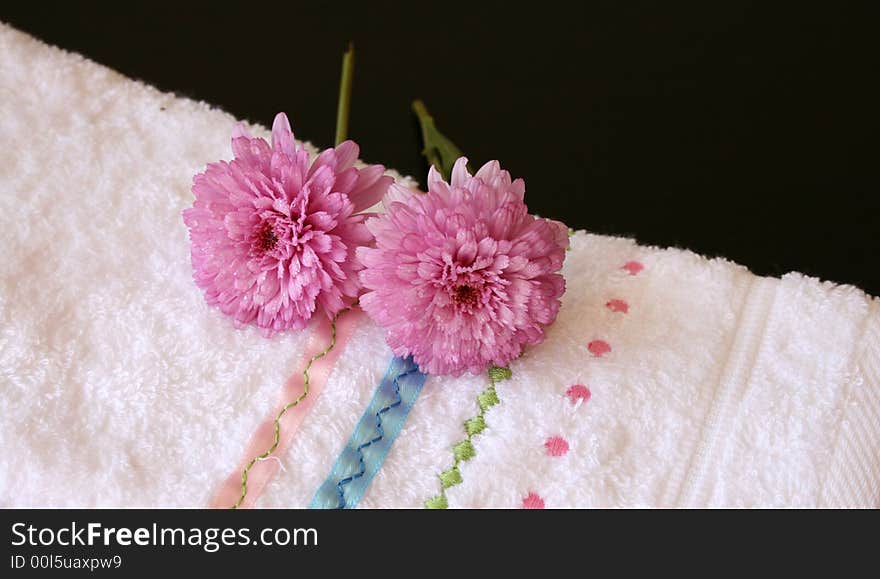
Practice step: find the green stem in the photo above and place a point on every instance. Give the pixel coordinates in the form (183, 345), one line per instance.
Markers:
(426, 122)
(439, 150)
(344, 106)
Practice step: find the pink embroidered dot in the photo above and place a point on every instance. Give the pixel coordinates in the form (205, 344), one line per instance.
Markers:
(633, 267)
(598, 348)
(617, 306)
(533, 501)
(578, 392)
(556, 446)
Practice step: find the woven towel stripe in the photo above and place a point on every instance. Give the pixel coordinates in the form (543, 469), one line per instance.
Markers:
(372, 438)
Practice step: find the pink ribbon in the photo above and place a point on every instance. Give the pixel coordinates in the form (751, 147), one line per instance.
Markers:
(264, 471)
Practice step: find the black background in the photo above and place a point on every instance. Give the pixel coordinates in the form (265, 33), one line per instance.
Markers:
(743, 130)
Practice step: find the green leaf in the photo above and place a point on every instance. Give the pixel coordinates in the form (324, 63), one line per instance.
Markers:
(439, 150)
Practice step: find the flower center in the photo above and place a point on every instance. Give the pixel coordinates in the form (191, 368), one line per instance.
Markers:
(266, 240)
(465, 295)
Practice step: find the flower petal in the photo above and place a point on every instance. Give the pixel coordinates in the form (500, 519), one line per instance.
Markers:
(398, 193)
(370, 188)
(282, 135)
(346, 154)
(240, 130)
(255, 153)
(460, 173)
(436, 183)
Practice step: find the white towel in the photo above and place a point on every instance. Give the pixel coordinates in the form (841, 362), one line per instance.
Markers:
(119, 386)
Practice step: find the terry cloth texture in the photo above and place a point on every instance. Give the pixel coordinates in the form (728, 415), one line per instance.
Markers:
(668, 380)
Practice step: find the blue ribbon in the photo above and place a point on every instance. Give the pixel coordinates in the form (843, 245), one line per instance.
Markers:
(372, 438)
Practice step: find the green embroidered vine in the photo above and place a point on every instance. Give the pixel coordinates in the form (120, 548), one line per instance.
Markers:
(277, 436)
(464, 450)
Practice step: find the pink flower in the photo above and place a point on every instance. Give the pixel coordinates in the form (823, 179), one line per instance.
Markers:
(273, 238)
(463, 277)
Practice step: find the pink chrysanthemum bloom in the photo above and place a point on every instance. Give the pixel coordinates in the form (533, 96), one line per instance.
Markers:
(463, 277)
(273, 238)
